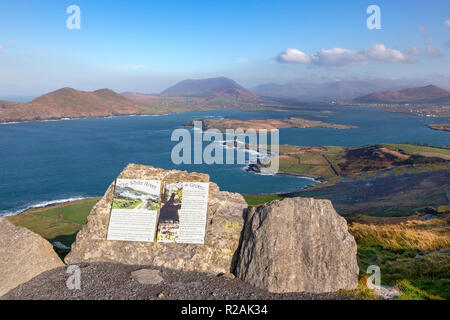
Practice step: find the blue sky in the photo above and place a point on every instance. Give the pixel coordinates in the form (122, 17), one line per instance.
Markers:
(148, 45)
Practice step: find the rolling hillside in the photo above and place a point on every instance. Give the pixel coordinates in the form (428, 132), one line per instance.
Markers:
(69, 103)
(421, 95)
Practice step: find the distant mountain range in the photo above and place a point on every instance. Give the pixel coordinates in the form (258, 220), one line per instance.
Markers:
(208, 94)
(211, 87)
(341, 91)
(422, 95)
(188, 95)
(68, 103)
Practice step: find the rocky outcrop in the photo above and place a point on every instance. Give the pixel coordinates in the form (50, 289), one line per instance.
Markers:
(298, 244)
(23, 255)
(225, 220)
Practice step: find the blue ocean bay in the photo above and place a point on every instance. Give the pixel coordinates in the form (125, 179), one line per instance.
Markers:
(42, 162)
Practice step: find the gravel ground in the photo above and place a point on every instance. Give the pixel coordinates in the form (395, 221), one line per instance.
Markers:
(114, 281)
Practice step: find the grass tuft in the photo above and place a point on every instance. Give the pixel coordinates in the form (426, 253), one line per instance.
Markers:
(410, 292)
(418, 235)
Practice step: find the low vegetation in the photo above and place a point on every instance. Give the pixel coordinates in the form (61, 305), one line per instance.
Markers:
(413, 234)
(254, 200)
(413, 254)
(418, 149)
(379, 180)
(59, 223)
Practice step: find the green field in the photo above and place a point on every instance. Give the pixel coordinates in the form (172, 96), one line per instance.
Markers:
(254, 200)
(413, 149)
(57, 223)
(415, 177)
(334, 163)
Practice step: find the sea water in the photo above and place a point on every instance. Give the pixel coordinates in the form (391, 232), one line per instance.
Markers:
(51, 161)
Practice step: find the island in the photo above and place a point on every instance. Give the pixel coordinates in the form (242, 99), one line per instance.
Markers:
(440, 126)
(265, 124)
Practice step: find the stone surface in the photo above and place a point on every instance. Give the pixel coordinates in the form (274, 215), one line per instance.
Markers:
(295, 245)
(23, 255)
(225, 220)
(147, 276)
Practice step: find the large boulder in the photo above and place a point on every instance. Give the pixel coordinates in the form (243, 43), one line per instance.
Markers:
(23, 255)
(297, 244)
(225, 220)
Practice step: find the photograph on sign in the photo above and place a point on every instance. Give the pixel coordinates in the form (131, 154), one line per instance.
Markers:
(134, 210)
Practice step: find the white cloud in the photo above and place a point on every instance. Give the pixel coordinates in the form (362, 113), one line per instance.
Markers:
(381, 53)
(291, 55)
(423, 31)
(2, 48)
(342, 57)
(432, 50)
(339, 57)
(447, 22)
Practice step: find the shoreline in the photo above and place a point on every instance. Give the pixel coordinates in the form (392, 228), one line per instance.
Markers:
(439, 126)
(265, 124)
(48, 204)
(84, 118)
(127, 115)
(280, 109)
(317, 179)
